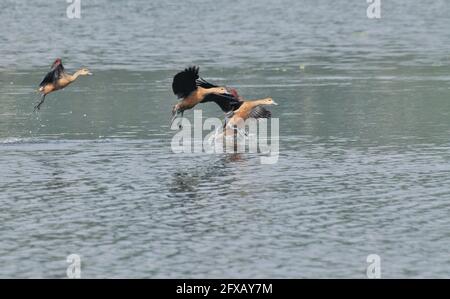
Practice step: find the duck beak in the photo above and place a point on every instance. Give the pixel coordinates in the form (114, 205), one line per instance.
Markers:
(90, 74)
(274, 103)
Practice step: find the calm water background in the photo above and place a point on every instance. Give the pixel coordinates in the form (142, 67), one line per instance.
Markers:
(364, 161)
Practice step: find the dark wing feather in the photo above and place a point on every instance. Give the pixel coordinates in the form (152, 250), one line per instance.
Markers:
(185, 82)
(205, 84)
(260, 112)
(52, 76)
(49, 78)
(226, 102)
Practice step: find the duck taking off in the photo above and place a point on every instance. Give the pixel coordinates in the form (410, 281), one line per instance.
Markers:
(192, 90)
(57, 79)
(248, 109)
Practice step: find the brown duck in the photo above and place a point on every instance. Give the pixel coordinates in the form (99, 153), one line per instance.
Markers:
(248, 109)
(192, 90)
(57, 79)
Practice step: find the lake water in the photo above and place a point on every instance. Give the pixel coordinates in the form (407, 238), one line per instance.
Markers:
(364, 165)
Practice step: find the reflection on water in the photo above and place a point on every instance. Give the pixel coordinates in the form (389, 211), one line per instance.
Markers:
(364, 149)
(214, 174)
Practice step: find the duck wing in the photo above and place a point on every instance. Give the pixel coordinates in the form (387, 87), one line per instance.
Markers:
(226, 102)
(185, 82)
(260, 112)
(205, 84)
(53, 76)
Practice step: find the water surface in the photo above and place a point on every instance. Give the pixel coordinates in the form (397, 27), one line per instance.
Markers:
(364, 162)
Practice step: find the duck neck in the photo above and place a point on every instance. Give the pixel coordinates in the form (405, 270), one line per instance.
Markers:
(74, 76)
(257, 102)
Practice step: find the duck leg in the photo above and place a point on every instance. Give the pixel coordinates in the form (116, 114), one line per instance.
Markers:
(180, 126)
(38, 106)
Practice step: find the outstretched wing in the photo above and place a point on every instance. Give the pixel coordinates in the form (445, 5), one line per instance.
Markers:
(185, 82)
(52, 76)
(226, 102)
(205, 84)
(260, 112)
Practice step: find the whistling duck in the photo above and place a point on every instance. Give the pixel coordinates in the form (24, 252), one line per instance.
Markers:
(191, 89)
(57, 79)
(248, 109)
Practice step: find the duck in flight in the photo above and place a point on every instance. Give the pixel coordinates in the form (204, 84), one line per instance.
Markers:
(57, 79)
(192, 90)
(248, 109)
